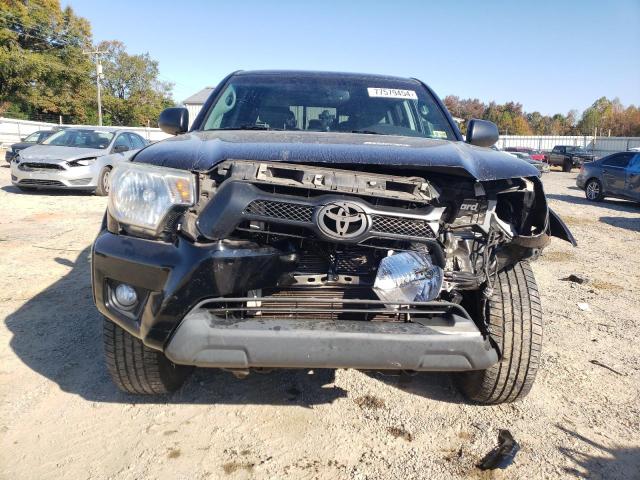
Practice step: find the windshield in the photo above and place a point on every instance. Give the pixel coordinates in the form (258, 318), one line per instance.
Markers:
(33, 138)
(80, 138)
(334, 104)
(576, 150)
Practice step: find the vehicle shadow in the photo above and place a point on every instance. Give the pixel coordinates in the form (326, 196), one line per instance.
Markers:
(620, 205)
(54, 193)
(433, 385)
(58, 334)
(611, 463)
(632, 224)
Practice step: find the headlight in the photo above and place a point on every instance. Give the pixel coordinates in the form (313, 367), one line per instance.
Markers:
(82, 162)
(142, 195)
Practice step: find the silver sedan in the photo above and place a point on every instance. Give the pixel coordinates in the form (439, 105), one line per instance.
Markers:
(75, 158)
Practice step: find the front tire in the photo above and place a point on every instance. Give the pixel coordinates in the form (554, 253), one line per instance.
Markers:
(593, 190)
(567, 166)
(102, 190)
(136, 368)
(515, 325)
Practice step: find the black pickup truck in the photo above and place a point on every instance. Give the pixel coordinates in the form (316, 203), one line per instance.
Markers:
(568, 157)
(323, 220)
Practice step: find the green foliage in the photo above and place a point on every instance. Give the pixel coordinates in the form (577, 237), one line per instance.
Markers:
(43, 69)
(133, 94)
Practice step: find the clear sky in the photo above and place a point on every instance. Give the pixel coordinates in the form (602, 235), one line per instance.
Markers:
(551, 56)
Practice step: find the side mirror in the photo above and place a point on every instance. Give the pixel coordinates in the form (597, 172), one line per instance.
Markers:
(482, 133)
(120, 148)
(174, 121)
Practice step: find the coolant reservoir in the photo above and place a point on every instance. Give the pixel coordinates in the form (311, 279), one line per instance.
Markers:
(407, 277)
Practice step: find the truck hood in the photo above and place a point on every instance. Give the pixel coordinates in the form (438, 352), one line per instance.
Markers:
(55, 154)
(200, 151)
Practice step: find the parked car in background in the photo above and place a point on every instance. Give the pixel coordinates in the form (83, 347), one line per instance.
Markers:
(616, 175)
(541, 166)
(568, 157)
(29, 141)
(533, 153)
(75, 158)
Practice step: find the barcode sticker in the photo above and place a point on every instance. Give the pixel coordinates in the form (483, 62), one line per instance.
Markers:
(392, 93)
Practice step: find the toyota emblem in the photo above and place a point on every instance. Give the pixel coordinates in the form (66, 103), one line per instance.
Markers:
(342, 220)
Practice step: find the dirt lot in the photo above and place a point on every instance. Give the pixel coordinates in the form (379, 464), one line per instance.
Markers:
(60, 416)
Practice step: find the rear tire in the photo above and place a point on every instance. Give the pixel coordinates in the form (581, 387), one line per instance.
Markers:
(136, 368)
(593, 190)
(567, 166)
(102, 190)
(515, 324)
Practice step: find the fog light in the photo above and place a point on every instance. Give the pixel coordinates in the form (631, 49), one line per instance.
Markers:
(125, 296)
(407, 277)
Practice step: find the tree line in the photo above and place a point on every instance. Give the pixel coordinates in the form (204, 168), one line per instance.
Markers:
(45, 70)
(604, 116)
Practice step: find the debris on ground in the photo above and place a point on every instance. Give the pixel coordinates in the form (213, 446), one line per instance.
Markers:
(584, 307)
(581, 279)
(600, 364)
(501, 456)
(400, 432)
(369, 402)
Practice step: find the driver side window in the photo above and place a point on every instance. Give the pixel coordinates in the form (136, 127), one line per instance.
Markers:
(123, 141)
(621, 160)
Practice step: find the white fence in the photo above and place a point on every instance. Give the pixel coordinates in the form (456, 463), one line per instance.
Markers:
(12, 130)
(600, 146)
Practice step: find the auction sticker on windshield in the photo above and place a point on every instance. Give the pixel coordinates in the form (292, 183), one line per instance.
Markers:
(392, 93)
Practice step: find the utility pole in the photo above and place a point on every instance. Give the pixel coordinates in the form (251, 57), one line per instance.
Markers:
(97, 54)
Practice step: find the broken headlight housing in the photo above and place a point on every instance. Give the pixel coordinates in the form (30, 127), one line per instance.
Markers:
(83, 162)
(142, 196)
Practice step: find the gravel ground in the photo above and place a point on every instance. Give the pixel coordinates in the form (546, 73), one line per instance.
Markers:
(61, 417)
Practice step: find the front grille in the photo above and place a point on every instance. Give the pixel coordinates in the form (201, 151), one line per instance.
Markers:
(286, 211)
(303, 214)
(34, 181)
(39, 166)
(401, 226)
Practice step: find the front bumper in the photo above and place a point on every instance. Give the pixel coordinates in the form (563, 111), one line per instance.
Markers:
(206, 340)
(177, 282)
(77, 178)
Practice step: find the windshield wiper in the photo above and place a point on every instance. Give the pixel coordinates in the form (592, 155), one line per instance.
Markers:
(245, 127)
(368, 132)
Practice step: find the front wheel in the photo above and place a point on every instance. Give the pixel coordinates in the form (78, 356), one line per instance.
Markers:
(136, 368)
(593, 190)
(567, 166)
(104, 179)
(515, 324)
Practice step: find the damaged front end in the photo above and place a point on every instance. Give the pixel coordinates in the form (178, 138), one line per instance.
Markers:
(274, 264)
